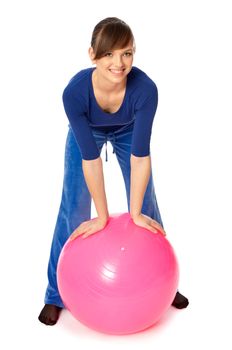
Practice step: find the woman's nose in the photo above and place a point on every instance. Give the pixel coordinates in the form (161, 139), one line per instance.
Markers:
(118, 61)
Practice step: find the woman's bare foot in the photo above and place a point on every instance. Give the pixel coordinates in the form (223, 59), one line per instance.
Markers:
(49, 314)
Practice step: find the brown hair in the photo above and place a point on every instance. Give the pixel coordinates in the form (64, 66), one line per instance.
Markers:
(110, 33)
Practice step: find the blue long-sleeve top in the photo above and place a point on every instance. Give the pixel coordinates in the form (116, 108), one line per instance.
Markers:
(138, 108)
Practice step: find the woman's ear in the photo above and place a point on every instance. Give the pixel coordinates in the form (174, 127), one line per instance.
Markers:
(92, 55)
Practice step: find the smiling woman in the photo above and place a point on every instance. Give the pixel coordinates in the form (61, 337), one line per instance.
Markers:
(113, 101)
(110, 34)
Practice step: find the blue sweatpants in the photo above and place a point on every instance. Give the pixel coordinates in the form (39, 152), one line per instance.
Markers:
(75, 204)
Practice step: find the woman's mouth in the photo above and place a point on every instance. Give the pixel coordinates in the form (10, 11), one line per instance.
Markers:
(117, 71)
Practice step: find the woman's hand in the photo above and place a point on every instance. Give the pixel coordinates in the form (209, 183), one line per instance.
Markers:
(89, 227)
(148, 223)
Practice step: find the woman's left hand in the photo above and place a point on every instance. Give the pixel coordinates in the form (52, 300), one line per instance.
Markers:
(148, 223)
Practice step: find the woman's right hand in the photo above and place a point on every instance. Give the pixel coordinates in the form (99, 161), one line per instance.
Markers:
(89, 227)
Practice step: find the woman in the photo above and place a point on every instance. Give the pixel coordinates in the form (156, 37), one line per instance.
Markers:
(114, 102)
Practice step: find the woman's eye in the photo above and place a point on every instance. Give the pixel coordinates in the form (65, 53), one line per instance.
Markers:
(127, 54)
(108, 54)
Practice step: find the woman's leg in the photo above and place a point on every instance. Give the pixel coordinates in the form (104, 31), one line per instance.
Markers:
(75, 208)
(122, 147)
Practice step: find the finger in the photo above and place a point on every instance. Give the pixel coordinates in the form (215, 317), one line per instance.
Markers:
(77, 233)
(83, 225)
(82, 228)
(88, 233)
(73, 236)
(85, 222)
(156, 224)
(152, 229)
(161, 230)
(158, 227)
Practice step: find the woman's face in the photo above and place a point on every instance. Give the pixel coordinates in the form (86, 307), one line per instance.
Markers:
(115, 65)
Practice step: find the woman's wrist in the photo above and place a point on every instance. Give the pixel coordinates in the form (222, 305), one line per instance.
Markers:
(134, 215)
(103, 218)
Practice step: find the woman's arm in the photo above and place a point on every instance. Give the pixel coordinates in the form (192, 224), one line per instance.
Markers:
(140, 174)
(93, 173)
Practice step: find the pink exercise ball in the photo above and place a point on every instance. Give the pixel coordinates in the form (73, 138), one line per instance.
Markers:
(120, 280)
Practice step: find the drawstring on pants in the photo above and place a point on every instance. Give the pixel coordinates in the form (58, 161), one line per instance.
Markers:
(113, 144)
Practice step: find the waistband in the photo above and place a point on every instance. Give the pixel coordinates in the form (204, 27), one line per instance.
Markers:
(113, 134)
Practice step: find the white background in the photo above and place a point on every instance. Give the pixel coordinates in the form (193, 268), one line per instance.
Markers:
(185, 46)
